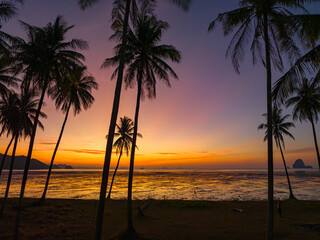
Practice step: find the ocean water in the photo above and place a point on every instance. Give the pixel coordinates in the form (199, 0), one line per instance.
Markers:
(169, 184)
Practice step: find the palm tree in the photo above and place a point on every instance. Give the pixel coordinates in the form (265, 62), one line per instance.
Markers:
(7, 79)
(280, 128)
(184, 4)
(44, 58)
(6, 103)
(7, 11)
(18, 114)
(265, 27)
(306, 105)
(7, 75)
(146, 63)
(75, 92)
(308, 28)
(7, 70)
(126, 7)
(5, 155)
(123, 143)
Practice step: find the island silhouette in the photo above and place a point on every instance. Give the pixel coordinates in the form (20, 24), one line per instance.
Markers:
(20, 161)
(300, 164)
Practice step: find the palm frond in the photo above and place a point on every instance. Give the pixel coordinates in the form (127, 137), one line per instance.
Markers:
(279, 127)
(86, 3)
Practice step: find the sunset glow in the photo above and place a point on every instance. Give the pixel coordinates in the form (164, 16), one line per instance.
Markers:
(208, 119)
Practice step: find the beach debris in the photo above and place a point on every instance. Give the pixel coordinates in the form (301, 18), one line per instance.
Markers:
(238, 210)
(143, 207)
(309, 227)
(279, 207)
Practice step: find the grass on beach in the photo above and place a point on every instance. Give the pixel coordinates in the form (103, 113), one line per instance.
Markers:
(75, 219)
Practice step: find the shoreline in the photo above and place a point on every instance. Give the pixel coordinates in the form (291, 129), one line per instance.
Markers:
(191, 185)
(173, 170)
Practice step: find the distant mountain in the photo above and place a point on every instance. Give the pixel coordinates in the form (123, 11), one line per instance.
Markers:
(19, 163)
(300, 164)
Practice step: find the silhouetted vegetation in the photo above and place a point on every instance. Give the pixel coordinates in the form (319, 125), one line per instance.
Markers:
(17, 116)
(306, 105)
(73, 91)
(146, 63)
(44, 58)
(280, 128)
(121, 11)
(7, 69)
(265, 27)
(123, 143)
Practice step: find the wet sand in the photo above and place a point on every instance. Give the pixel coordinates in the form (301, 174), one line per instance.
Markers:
(224, 185)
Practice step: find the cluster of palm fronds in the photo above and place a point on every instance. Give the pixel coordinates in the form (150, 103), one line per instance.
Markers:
(305, 100)
(272, 29)
(43, 63)
(140, 60)
(46, 64)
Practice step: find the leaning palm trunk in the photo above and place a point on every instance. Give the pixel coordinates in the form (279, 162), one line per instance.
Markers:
(269, 123)
(285, 168)
(315, 140)
(114, 174)
(54, 154)
(27, 164)
(113, 121)
(9, 176)
(131, 230)
(5, 155)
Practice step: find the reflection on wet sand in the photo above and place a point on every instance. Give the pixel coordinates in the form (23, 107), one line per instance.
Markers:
(187, 185)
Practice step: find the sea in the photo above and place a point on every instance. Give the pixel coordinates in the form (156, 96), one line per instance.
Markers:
(164, 184)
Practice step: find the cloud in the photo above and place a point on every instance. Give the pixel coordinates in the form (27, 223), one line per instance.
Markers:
(301, 150)
(48, 142)
(93, 151)
(85, 151)
(203, 152)
(167, 153)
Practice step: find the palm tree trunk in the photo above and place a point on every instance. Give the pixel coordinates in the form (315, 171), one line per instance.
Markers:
(54, 154)
(269, 120)
(114, 174)
(130, 227)
(285, 167)
(27, 164)
(315, 140)
(113, 121)
(9, 176)
(5, 155)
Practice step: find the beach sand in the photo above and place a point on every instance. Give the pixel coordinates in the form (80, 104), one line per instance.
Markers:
(164, 220)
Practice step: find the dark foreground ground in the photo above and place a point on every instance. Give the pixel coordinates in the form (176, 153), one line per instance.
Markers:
(164, 220)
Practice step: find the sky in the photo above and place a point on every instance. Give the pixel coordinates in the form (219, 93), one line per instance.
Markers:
(208, 119)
